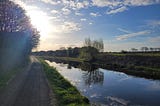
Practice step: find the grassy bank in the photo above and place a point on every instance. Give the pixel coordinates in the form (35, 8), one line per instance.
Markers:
(67, 94)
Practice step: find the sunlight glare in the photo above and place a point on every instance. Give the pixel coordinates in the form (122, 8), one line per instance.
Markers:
(40, 20)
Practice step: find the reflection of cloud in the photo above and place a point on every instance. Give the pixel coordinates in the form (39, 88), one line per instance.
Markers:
(154, 86)
(116, 101)
(123, 79)
(130, 35)
(95, 95)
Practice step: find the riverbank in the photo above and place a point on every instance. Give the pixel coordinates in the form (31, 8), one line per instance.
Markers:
(66, 93)
(139, 71)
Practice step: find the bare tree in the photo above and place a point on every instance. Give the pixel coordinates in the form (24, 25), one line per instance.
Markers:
(144, 49)
(98, 44)
(87, 42)
(134, 49)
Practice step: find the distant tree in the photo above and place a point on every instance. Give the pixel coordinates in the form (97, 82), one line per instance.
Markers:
(87, 42)
(151, 49)
(144, 49)
(123, 51)
(69, 52)
(88, 53)
(62, 48)
(98, 44)
(134, 49)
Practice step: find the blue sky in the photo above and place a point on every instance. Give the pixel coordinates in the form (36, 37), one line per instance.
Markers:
(122, 24)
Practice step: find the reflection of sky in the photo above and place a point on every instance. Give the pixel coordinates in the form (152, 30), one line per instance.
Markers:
(117, 88)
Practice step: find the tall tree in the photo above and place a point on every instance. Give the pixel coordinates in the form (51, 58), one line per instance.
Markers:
(13, 18)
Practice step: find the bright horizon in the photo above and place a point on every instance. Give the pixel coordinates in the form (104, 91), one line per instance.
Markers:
(122, 24)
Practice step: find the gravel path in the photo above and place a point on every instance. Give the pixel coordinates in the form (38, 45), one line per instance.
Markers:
(28, 88)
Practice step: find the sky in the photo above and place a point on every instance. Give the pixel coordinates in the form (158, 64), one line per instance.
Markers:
(122, 24)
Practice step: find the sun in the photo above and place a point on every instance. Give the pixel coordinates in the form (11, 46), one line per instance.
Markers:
(40, 20)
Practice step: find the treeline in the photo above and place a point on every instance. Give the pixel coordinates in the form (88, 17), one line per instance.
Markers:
(144, 49)
(88, 53)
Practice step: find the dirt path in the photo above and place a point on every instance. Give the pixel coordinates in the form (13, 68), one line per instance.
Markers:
(28, 88)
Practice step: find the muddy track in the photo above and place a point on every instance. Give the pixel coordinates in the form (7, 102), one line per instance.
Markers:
(28, 88)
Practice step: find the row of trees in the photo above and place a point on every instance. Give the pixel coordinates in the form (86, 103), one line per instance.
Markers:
(145, 49)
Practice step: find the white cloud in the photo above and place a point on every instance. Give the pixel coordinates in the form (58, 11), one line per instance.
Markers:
(113, 11)
(52, 2)
(68, 27)
(54, 11)
(66, 11)
(83, 19)
(78, 14)
(154, 39)
(115, 3)
(123, 30)
(140, 2)
(153, 23)
(90, 23)
(75, 5)
(130, 35)
(104, 3)
(116, 6)
(94, 14)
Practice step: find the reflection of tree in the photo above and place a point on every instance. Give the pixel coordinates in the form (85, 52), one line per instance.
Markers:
(93, 77)
(87, 67)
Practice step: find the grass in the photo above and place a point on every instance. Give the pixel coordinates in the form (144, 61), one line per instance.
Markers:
(67, 94)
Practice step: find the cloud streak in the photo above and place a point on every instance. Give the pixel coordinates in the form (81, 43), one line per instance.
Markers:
(118, 10)
(123, 30)
(131, 35)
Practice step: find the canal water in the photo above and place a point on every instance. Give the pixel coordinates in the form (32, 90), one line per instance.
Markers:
(109, 88)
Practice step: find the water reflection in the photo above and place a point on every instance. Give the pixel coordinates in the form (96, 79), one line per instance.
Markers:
(110, 88)
(93, 77)
(92, 74)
